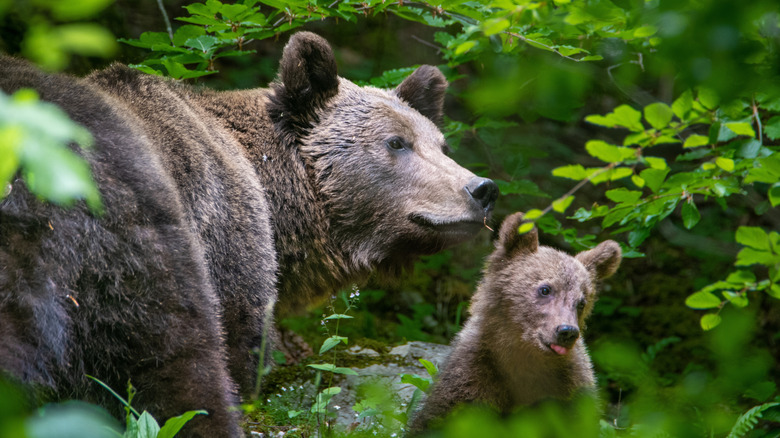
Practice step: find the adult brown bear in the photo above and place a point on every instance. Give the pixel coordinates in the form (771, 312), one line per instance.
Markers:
(217, 204)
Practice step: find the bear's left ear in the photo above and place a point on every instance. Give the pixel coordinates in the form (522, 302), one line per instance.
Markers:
(308, 73)
(510, 239)
(603, 260)
(424, 91)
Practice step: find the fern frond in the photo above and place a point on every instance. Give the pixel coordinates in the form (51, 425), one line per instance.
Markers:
(747, 421)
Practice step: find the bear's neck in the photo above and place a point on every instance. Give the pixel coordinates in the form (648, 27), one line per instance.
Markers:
(310, 266)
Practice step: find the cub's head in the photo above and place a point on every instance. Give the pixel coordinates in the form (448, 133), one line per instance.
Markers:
(377, 158)
(544, 294)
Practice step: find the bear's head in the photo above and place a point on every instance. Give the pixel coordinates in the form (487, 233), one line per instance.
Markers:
(376, 158)
(544, 294)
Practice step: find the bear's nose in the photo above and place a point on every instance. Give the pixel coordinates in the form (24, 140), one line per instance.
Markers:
(566, 335)
(484, 191)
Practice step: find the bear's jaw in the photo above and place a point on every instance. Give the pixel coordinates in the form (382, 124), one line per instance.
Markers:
(450, 231)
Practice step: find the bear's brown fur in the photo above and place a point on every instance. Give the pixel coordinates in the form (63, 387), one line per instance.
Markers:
(521, 343)
(215, 205)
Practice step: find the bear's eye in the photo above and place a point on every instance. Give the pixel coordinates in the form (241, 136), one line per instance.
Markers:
(581, 306)
(545, 290)
(397, 144)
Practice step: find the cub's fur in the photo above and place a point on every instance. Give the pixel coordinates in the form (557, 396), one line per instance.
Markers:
(522, 342)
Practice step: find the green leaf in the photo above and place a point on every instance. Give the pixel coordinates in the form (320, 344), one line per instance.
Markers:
(337, 316)
(710, 321)
(623, 116)
(609, 153)
(80, 10)
(656, 163)
(658, 115)
(695, 140)
(645, 31)
(323, 366)
(690, 215)
(623, 195)
(708, 98)
(572, 171)
(419, 382)
(204, 43)
(343, 370)
(772, 128)
(560, 205)
(494, 26)
(654, 178)
(525, 227)
(174, 424)
(683, 105)
(774, 291)
(735, 298)
(750, 256)
(430, 367)
(533, 214)
(741, 128)
(702, 300)
(726, 164)
(774, 195)
(741, 278)
(187, 32)
(753, 237)
(331, 342)
(147, 426)
(465, 47)
(233, 12)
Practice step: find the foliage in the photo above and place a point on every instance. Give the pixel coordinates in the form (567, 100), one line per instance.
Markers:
(637, 116)
(34, 135)
(143, 425)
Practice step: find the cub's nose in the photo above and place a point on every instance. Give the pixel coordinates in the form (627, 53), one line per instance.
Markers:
(484, 191)
(566, 335)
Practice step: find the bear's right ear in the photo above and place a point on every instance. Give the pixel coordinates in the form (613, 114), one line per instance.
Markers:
(308, 73)
(603, 260)
(424, 91)
(510, 239)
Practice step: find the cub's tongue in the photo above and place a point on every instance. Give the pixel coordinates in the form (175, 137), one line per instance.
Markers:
(558, 349)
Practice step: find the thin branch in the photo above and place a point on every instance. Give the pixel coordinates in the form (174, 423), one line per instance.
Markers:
(757, 117)
(426, 43)
(167, 20)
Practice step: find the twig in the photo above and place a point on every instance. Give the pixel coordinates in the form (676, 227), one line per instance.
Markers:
(757, 117)
(167, 20)
(426, 43)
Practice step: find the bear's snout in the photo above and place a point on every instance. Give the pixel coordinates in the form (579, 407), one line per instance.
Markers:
(484, 191)
(566, 335)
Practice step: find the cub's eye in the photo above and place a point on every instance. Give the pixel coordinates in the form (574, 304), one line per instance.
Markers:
(581, 306)
(397, 144)
(545, 290)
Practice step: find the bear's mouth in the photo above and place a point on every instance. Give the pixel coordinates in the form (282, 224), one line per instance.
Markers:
(466, 228)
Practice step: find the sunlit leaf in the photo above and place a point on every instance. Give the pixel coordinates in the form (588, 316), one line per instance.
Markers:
(690, 215)
(710, 321)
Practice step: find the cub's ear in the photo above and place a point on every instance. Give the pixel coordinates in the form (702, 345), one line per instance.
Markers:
(424, 91)
(308, 73)
(511, 241)
(603, 260)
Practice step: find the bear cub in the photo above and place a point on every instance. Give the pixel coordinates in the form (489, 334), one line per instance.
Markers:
(522, 342)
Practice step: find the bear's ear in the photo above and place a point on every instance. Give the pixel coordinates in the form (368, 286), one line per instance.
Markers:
(603, 260)
(424, 91)
(308, 72)
(510, 239)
